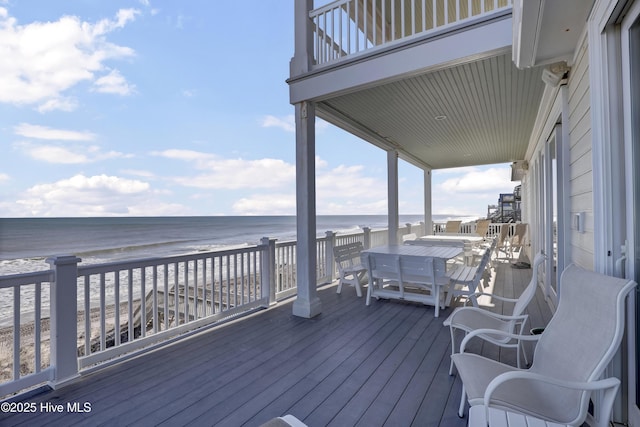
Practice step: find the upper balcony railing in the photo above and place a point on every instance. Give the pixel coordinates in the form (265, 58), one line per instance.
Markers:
(345, 28)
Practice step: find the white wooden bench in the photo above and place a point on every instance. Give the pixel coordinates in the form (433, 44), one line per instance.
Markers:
(350, 267)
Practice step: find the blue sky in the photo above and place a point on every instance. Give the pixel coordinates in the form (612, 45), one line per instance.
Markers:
(145, 108)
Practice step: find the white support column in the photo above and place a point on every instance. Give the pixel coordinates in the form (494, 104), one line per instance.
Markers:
(303, 38)
(307, 303)
(428, 207)
(392, 195)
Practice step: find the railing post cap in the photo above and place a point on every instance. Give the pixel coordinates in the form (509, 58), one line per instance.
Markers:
(63, 260)
(267, 241)
(330, 233)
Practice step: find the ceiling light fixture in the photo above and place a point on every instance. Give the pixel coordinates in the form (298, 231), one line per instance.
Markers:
(442, 117)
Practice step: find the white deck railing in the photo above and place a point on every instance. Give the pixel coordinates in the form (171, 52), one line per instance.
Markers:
(347, 27)
(80, 316)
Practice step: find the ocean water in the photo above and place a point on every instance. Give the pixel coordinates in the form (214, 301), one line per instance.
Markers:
(25, 243)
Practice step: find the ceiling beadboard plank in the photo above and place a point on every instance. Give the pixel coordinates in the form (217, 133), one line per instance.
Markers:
(489, 105)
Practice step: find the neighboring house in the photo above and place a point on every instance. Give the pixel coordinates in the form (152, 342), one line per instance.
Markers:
(552, 86)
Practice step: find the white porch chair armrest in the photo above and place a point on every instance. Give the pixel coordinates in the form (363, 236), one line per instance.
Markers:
(452, 319)
(498, 297)
(609, 386)
(489, 334)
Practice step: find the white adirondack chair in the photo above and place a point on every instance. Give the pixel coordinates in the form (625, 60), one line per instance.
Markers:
(569, 360)
(452, 227)
(517, 240)
(466, 279)
(468, 319)
(482, 227)
(502, 243)
(350, 268)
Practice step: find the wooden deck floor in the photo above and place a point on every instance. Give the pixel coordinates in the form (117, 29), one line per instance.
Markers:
(386, 364)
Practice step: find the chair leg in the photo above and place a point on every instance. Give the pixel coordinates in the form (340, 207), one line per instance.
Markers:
(356, 284)
(524, 353)
(474, 300)
(463, 400)
(450, 291)
(369, 292)
(339, 286)
(437, 296)
(453, 349)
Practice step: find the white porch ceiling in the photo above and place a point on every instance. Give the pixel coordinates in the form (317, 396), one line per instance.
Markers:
(489, 104)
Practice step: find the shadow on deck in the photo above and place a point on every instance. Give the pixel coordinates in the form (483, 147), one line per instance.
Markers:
(386, 364)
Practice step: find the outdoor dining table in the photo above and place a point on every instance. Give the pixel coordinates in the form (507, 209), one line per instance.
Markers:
(465, 241)
(451, 238)
(439, 254)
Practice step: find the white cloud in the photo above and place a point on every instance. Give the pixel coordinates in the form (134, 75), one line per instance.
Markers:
(67, 155)
(492, 180)
(348, 186)
(288, 123)
(60, 104)
(266, 204)
(53, 154)
(340, 190)
(232, 174)
(469, 192)
(4, 177)
(40, 61)
(43, 132)
(99, 195)
(140, 173)
(114, 83)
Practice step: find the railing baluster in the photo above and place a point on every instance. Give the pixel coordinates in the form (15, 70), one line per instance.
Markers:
(213, 287)
(365, 19)
(333, 34)
(37, 338)
(143, 302)
(16, 332)
(187, 286)
(235, 280)
(446, 12)
(402, 20)
(166, 296)
(130, 304)
(87, 316)
(103, 318)
(116, 298)
(195, 290)
(154, 278)
(413, 17)
(435, 13)
(374, 23)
